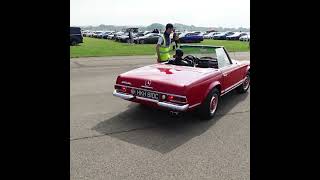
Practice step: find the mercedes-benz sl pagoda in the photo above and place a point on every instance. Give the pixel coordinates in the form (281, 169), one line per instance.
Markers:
(206, 74)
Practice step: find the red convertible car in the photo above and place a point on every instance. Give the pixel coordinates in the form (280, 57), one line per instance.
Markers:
(193, 82)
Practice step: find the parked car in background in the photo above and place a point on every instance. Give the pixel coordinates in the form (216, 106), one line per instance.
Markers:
(146, 32)
(106, 34)
(118, 34)
(151, 38)
(140, 33)
(210, 35)
(85, 32)
(97, 33)
(235, 36)
(190, 37)
(125, 37)
(245, 37)
(111, 35)
(223, 35)
(92, 33)
(89, 34)
(75, 36)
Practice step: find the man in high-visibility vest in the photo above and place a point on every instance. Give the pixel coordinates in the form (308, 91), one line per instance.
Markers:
(163, 45)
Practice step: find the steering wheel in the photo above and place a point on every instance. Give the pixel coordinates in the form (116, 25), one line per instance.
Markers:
(192, 60)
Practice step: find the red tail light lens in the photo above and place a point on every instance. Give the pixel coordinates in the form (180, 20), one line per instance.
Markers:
(176, 99)
(180, 99)
(170, 98)
(123, 89)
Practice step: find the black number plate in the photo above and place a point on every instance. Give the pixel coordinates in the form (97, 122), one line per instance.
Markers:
(146, 94)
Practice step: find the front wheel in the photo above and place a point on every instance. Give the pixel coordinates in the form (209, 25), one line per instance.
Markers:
(73, 43)
(245, 85)
(209, 107)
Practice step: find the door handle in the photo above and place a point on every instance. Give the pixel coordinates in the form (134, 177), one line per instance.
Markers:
(225, 75)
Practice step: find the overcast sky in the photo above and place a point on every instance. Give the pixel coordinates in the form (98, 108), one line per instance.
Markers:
(207, 13)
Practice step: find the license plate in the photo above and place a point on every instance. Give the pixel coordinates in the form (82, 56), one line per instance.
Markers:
(147, 94)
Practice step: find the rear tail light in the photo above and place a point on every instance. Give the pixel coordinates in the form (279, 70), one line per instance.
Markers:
(123, 89)
(170, 98)
(176, 99)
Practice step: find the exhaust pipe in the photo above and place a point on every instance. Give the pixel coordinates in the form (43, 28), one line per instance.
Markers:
(174, 113)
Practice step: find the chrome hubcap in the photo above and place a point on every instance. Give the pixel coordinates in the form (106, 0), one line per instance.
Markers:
(246, 83)
(213, 104)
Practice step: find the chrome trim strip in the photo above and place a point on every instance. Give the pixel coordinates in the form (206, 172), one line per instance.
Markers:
(123, 96)
(174, 107)
(153, 100)
(147, 99)
(194, 105)
(178, 101)
(146, 87)
(236, 84)
(125, 82)
(152, 91)
(232, 87)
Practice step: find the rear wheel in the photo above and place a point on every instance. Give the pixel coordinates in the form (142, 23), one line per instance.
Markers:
(141, 41)
(209, 107)
(245, 85)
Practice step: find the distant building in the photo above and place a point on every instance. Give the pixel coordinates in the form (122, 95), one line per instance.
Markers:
(134, 30)
(211, 31)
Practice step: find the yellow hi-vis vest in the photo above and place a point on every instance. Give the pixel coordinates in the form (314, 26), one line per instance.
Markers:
(164, 51)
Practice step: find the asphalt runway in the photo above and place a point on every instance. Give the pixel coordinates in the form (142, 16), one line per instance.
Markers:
(111, 138)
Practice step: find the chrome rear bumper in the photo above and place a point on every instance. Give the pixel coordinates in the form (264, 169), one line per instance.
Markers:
(123, 96)
(173, 106)
(161, 104)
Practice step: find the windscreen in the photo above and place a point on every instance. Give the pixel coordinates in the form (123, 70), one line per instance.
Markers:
(199, 51)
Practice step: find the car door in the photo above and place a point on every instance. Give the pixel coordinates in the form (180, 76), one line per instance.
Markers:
(237, 70)
(190, 37)
(228, 69)
(193, 37)
(154, 38)
(148, 39)
(187, 37)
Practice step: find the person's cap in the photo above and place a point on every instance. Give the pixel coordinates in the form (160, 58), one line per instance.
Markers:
(169, 25)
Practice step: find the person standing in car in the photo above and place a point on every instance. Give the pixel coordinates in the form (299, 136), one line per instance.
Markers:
(163, 45)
